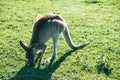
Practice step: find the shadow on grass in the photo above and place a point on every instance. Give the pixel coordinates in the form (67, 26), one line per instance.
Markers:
(31, 73)
(104, 68)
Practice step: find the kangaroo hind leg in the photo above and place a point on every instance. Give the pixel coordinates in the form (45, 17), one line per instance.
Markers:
(55, 37)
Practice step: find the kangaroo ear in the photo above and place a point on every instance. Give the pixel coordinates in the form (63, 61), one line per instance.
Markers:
(23, 45)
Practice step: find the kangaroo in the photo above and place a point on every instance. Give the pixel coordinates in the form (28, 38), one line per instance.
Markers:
(45, 27)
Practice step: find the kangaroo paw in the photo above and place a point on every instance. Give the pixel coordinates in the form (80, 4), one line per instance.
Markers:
(49, 60)
(46, 61)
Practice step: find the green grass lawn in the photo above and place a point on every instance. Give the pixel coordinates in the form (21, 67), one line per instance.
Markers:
(97, 21)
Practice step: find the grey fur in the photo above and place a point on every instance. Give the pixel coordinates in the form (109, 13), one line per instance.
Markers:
(47, 26)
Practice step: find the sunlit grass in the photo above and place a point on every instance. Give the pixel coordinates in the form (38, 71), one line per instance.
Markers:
(97, 21)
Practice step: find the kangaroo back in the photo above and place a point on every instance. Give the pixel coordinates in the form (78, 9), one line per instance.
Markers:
(70, 42)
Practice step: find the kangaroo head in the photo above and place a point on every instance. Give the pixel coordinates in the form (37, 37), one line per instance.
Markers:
(30, 53)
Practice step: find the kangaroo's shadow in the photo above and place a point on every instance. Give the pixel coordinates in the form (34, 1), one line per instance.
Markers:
(30, 73)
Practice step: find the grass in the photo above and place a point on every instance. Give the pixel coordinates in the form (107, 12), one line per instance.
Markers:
(97, 21)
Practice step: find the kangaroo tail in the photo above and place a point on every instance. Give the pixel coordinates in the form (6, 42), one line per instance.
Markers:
(70, 42)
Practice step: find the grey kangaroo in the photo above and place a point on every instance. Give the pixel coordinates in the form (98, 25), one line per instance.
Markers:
(45, 27)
